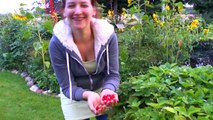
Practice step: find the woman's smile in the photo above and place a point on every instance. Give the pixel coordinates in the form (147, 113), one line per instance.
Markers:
(79, 13)
(78, 18)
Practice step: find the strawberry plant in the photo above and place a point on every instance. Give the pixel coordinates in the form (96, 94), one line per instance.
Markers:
(167, 92)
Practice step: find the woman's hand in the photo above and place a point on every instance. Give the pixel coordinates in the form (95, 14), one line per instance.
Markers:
(109, 97)
(93, 100)
(98, 103)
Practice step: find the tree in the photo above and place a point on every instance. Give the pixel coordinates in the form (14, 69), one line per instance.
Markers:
(204, 7)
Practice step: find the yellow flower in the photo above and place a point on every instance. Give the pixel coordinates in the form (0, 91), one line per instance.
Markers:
(129, 2)
(167, 7)
(121, 29)
(175, 29)
(161, 23)
(206, 31)
(155, 17)
(188, 27)
(123, 14)
(15, 16)
(180, 9)
(19, 17)
(132, 28)
(110, 13)
(194, 24)
(147, 2)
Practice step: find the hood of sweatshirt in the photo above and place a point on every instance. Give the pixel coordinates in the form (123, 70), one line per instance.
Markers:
(102, 31)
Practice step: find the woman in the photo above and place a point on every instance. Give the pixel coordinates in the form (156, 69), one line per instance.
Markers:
(84, 56)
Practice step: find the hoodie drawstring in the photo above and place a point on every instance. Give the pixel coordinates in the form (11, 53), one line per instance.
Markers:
(107, 52)
(68, 70)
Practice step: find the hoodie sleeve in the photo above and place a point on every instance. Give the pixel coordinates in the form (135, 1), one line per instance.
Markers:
(59, 64)
(112, 79)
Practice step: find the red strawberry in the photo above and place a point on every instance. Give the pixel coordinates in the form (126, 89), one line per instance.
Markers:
(108, 99)
(97, 108)
(100, 108)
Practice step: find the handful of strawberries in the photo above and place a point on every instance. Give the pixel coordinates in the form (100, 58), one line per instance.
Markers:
(107, 100)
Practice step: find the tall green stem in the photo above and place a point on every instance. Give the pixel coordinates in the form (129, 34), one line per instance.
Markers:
(42, 51)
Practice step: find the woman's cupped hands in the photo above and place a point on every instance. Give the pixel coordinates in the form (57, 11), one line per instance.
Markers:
(98, 103)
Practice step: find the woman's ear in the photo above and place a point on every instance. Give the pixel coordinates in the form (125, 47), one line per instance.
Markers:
(64, 15)
(94, 11)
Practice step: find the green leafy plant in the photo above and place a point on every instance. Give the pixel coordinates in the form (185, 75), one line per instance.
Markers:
(41, 26)
(167, 92)
(15, 43)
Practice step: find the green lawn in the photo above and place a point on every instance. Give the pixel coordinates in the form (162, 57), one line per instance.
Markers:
(17, 102)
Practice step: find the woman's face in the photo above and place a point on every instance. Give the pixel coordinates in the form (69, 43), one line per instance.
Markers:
(79, 13)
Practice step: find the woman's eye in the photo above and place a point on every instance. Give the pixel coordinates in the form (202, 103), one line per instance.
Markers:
(84, 6)
(71, 6)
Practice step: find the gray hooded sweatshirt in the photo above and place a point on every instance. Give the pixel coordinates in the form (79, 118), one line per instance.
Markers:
(106, 75)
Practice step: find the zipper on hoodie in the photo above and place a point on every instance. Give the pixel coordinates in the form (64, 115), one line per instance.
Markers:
(99, 61)
(90, 78)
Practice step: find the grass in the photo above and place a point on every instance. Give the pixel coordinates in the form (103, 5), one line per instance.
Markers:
(17, 102)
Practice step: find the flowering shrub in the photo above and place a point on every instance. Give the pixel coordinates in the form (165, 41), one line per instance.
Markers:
(161, 37)
(25, 48)
(19, 17)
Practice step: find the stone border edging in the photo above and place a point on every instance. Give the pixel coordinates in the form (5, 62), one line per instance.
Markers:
(34, 87)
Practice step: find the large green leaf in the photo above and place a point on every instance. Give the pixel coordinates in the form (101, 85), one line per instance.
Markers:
(193, 110)
(37, 46)
(170, 109)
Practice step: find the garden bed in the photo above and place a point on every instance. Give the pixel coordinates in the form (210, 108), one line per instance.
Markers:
(202, 54)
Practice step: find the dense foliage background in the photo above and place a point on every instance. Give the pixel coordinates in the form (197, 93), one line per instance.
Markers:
(156, 46)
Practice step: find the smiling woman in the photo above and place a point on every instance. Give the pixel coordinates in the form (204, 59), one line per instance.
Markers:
(84, 56)
(12, 6)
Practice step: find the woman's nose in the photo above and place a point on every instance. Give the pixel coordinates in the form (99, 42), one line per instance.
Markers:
(78, 10)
